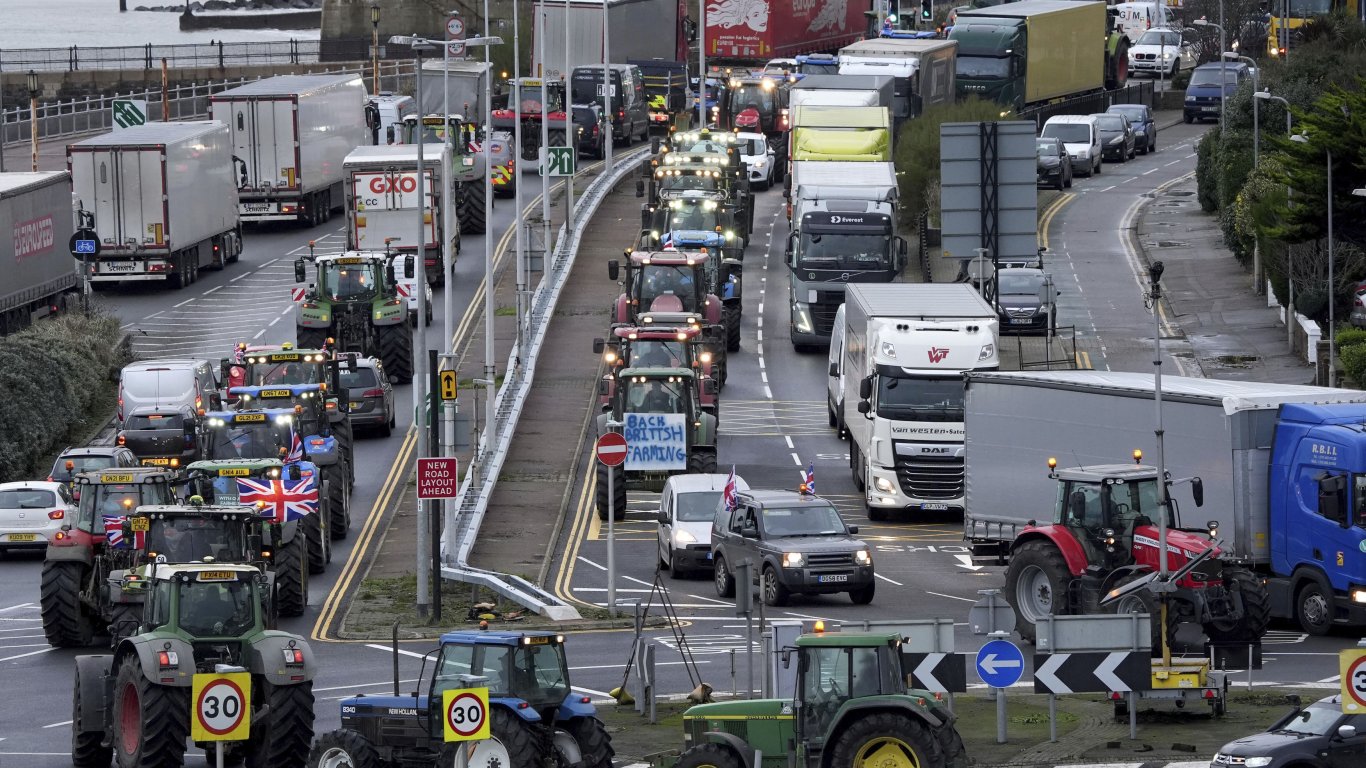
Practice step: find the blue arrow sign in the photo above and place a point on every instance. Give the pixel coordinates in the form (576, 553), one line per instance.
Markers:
(1000, 664)
(85, 246)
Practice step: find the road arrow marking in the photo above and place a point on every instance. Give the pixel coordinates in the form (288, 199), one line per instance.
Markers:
(924, 672)
(1105, 671)
(991, 664)
(965, 561)
(1046, 674)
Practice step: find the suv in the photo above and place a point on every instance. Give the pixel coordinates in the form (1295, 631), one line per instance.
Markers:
(588, 124)
(1320, 734)
(797, 542)
(369, 394)
(1081, 136)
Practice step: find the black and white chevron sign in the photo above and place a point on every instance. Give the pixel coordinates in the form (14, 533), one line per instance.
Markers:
(937, 672)
(1092, 672)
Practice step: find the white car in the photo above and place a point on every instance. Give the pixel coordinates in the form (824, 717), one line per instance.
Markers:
(757, 156)
(686, 509)
(31, 513)
(1162, 52)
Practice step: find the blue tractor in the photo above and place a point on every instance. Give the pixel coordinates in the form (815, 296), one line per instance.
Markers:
(534, 714)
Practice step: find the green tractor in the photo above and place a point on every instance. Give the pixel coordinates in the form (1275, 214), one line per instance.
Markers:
(851, 709)
(356, 302)
(133, 704)
(467, 164)
(322, 442)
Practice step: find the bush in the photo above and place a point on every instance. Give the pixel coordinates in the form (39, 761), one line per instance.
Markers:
(51, 375)
(1353, 360)
(917, 149)
(1206, 177)
(1350, 337)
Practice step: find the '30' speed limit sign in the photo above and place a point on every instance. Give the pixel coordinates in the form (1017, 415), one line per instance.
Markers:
(466, 714)
(220, 707)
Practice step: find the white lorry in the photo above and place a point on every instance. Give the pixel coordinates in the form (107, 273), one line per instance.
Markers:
(41, 278)
(163, 200)
(922, 71)
(290, 134)
(901, 355)
(382, 203)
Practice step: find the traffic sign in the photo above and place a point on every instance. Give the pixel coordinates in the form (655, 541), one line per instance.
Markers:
(466, 713)
(130, 112)
(450, 388)
(991, 614)
(438, 478)
(1000, 664)
(455, 35)
(1121, 671)
(1352, 669)
(559, 162)
(222, 706)
(611, 449)
(937, 672)
(85, 244)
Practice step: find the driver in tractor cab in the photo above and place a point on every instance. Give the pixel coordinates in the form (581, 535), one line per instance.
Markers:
(657, 400)
(288, 374)
(352, 282)
(212, 610)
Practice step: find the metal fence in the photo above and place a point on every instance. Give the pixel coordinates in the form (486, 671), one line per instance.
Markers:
(219, 54)
(1133, 93)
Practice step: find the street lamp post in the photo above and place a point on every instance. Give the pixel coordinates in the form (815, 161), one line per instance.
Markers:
(1328, 153)
(374, 43)
(33, 91)
(1289, 273)
(1222, 89)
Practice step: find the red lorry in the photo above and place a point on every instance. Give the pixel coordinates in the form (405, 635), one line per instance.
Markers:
(756, 30)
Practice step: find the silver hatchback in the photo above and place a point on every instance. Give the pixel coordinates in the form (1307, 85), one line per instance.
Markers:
(369, 393)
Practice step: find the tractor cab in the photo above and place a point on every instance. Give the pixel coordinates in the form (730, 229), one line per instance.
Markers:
(659, 391)
(834, 671)
(757, 104)
(196, 532)
(665, 287)
(104, 498)
(256, 434)
(431, 129)
(655, 347)
(202, 601)
(356, 302)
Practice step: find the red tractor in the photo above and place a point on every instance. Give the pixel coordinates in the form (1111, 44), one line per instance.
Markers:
(670, 289)
(1104, 536)
(655, 347)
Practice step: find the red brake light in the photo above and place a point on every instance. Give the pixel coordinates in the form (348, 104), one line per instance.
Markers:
(56, 514)
(373, 393)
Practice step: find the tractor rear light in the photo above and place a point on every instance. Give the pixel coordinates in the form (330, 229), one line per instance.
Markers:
(167, 659)
(265, 554)
(296, 678)
(373, 393)
(393, 302)
(56, 514)
(294, 657)
(309, 305)
(584, 700)
(522, 705)
(1209, 693)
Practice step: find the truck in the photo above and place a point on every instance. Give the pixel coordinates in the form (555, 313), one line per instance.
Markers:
(755, 31)
(382, 202)
(922, 71)
(290, 134)
(163, 198)
(36, 208)
(858, 134)
(666, 91)
(638, 29)
(903, 350)
(1277, 462)
(466, 81)
(843, 231)
(842, 90)
(1025, 54)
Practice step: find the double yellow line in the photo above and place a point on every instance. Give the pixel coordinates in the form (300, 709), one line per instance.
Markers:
(1046, 220)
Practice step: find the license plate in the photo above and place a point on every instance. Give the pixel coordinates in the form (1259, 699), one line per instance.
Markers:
(833, 579)
(258, 207)
(157, 462)
(23, 537)
(935, 507)
(1020, 321)
(119, 266)
(276, 393)
(140, 524)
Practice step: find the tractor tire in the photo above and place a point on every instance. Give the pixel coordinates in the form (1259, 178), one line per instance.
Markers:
(66, 624)
(516, 736)
(1256, 608)
(151, 722)
(310, 338)
(87, 749)
(319, 547)
(702, 463)
(618, 493)
(396, 352)
(886, 738)
(291, 577)
(1036, 586)
(343, 748)
(1145, 601)
(124, 620)
(772, 589)
(595, 745)
(951, 744)
(724, 581)
(709, 756)
(1314, 608)
(337, 518)
(733, 315)
(281, 740)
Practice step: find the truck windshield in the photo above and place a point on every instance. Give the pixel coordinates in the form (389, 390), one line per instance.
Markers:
(920, 398)
(845, 252)
(987, 67)
(344, 282)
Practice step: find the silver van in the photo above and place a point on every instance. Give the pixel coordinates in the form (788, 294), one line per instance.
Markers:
(167, 384)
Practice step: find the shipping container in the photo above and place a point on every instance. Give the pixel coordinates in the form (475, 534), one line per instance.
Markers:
(36, 209)
(757, 30)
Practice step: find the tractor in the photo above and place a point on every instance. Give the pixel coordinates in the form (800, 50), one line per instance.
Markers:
(133, 704)
(325, 445)
(1102, 538)
(81, 557)
(675, 288)
(758, 104)
(467, 163)
(656, 347)
(669, 399)
(285, 364)
(851, 709)
(704, 160)
(533, 91)
(356, 302)
(533, 712)
(690, 219)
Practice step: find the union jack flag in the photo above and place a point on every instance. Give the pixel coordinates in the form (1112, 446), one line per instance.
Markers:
(239, 355)
(113, 534)
(728, 493)
(296, 447)
(280, 500)
(809, 481)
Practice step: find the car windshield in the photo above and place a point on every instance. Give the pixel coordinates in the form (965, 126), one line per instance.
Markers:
(987, 67)
(344, 282)
(804, 520)
(79, 464)
(651, 353)
(28, 498)
(1313, 720)
(154, 421)
(697, 507)
(1046, 148)
(844, 252)
(1068, 133)
(1020, 285)
(1134, 113)
(1210, 77)
(1110, 123)
(358, 378)
(917, 398)
(1160, 38)
(216, 609)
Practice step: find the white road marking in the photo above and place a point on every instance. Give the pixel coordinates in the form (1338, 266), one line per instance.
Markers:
(16, 607)
(26, 655)
(259, 334)
(952, 597)
(790, 446)
(239, 277)
(390, 649)
(58, 725)
(889, 581)
(211, 290)
(1145, 173)
(183, 303)
(797, 459)
(1107, 189)
(583, 559)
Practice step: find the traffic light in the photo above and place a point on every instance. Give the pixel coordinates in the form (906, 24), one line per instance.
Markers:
(926, 9)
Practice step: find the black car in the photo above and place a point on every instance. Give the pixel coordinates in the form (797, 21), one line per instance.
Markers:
(1054, 166)
(588, 130)
(1318, 735)
(1141, 118)
(1116, 136)
(1026, 300)
(161, 437)
(798, 544)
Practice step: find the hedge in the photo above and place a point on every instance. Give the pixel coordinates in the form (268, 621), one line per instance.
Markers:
(917, 152)
(1353, 361)
(51, 375)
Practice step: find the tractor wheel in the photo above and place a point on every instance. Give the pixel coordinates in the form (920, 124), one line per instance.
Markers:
(725, 582)
(469, 208)
(772, 589)
(396, 352)
(87, 749)
(319, 547)
(65, 621)
(618, 493)
(124, 619)
(1256, 608)
(291, 577)
(951, 744)
(702, 463)
(732, 327)
(337, 522)
(281, 740)
(709, 756)
(1314, 608)
(1036, 585)
(517, 738)
(310, 338)
(343, 748)
(594, 744)
(1144, 601)
(150, 721)
(887, 739)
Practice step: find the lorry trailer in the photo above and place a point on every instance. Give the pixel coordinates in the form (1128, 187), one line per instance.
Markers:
(36, 209)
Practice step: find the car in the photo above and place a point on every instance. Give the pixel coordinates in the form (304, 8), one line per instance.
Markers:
(1026, 300)
(588, 130)
(32, 512)
(1162, 52)
(757, 156)
(687, 506)
(1117, 140)
(797, 544)
(1204, 94)
(1318, 735)
(1053, 165)
(1081, 137)
(1145, 127)
(89, 459)
(161, 436)
(369, 392)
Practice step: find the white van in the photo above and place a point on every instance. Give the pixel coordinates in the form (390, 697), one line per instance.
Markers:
(169, 385)
(1137, 18)
(1081, 136)
(834, 382)
(390, 110)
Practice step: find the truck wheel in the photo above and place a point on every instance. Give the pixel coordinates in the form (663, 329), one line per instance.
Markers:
(291, 577)
(856, 468)
(87, 751)
(885, 738)
(1036, 585)
(1314, 608)
(281, 740)
(1145, 601)
(709, 756)
(618, 493)
(594, 744)
(319, 549)
(337, 523)
(516, 737)
(343, 748)
(396, 352)
(774, 592)
(310, 338)
(1256, 608)
(864, 596)
(65, 621)
(733, 328)
(725, 582)
(702, 463)
(150, 721)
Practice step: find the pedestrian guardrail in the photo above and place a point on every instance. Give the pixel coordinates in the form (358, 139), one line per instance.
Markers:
(1133, 93)
(185, 56)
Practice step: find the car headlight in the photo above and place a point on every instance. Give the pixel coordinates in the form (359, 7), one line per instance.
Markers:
(792, 560)
(760, 163)
(684, 537)
(1117, 140)
(1257, 762)
(884, 485)
(1166, 57)
(863, 557)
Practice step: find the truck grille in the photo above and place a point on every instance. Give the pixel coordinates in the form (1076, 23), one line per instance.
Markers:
(823, 311)
(933, 478)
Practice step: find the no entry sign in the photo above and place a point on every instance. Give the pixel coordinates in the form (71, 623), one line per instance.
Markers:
(438, 478)
(611, 449)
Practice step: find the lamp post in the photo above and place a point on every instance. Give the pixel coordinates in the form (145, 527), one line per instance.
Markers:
(1220, 27)
(33, 91)
(1258, 96)
(1256, 88)
(374, 43)
(1328, 153)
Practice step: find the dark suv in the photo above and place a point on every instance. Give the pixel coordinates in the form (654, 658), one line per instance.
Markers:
(797, 543)
(1318, 735)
